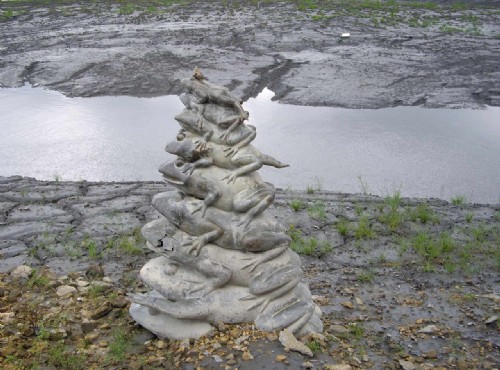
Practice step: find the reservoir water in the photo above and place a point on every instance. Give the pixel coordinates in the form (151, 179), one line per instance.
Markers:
(421, 152)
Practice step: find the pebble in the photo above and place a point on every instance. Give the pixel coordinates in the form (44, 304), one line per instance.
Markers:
(291, 343)
(99, 312)
(307, 365)
(337, 367)
(65, 290)
(280, 358)
(429, 329)
(246, 356)
(88, 325)
(347, 304)
(407, 365)
(491, 320)
(161, 344)
(21, 272)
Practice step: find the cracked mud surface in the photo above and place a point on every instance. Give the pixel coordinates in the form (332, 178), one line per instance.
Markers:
(437, 56)
(408, 282)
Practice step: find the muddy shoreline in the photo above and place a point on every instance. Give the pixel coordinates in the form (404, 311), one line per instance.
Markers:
(437, 55)
(386, 301)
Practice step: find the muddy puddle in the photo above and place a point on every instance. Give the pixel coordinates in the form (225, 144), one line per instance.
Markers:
(422, 152)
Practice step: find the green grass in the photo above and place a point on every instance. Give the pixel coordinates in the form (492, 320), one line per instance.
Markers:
(422, 213)
(357, 331)
(60, 357)
(469, 216)
(342, 227)
(297, 205)
(479, 233)
(365, 276)
(317, 210)
(119, 345)
(458, 200)
(91, 247)
(392, 217)
(126, 9)
(314, 346)
(37, 280)
(307, 246)
(363, 229)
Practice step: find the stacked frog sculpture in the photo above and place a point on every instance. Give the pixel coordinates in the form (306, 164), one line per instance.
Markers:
(223, 258)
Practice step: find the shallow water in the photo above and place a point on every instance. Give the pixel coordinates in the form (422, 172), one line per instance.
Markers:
(422, 152)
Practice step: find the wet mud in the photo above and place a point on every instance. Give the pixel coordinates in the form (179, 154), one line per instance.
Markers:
(400, 281)
(436, 55)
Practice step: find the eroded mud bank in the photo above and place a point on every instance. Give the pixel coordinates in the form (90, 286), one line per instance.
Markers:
(437, 55)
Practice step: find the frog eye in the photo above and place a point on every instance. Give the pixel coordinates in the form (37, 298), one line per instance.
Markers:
(179, 163)
(181, 135)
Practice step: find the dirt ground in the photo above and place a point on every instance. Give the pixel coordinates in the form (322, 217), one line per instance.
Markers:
(435, 54)
(402, 283)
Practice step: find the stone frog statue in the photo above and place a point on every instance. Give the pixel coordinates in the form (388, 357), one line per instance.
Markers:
(217, 227)
(200, 152)
(235, 139)
(248, 195)
(208, 93)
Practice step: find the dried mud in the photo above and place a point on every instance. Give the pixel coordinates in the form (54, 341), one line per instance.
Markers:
(408, 282)
(439, 55)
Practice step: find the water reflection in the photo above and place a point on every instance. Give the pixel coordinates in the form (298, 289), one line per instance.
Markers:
(423, 152)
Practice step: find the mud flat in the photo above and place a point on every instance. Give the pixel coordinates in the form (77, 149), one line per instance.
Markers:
(436, 54)
(403, 283)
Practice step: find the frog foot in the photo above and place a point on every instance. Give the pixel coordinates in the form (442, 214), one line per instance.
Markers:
(196, 246)
(243, 221)
(230, 178)
(200, 207)
(203, 290)
(231, 151)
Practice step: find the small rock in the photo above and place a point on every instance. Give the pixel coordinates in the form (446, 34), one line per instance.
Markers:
(82, 283)
(338, 329)
(217, 358)
(291, 343)
(347, 304)
(21, 272)
(95, 271)
(161, 344)
(407, 365)
(307, 365)
(120, 302)
(87, 326)
(337, 367)
(99, 312)
(235, 332)
(431, 354)
(246, 356)
(491, 320)
(6, 317)
(107, 279)
(429, 329)
(65, 290)
(359, 302)
(103, 343)
(280, 358)
(57, 334)
(90, 337)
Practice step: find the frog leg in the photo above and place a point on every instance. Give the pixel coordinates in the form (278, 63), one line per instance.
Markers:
(231, 151)
(254, 211)
(263, 257)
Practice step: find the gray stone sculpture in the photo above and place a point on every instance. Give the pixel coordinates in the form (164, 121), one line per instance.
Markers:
(223, 259)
